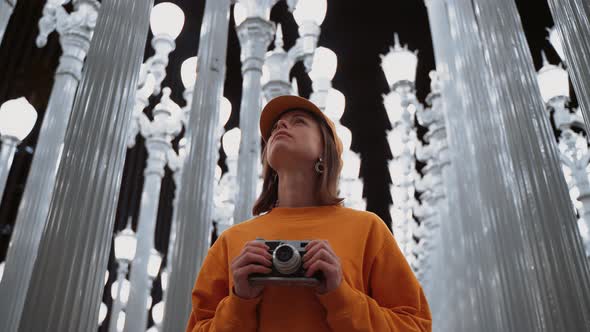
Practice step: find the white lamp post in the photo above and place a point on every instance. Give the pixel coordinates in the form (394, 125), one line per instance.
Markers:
(574, 156)
(158, 136)
(399, 66)
(432, 192)
(166, 22)
(17, 119)
(75, 31)
(226, 188)
(125, 247)
(255, 32)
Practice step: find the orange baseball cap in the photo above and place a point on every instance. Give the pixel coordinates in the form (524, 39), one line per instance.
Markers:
(279, 105)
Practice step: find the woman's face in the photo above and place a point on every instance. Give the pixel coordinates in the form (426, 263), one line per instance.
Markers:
(295, 141)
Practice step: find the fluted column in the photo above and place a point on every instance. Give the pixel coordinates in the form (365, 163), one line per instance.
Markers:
(255, 35)
(195, 201)
(572, 19)
(67, 279)
(521, 265)
(449, 265)
(6, 9)
(75, 31)
(158, 136)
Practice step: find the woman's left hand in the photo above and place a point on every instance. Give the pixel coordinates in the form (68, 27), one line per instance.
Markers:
(319, 256)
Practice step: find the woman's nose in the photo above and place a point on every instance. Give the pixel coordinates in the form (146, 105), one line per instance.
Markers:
(281, 124)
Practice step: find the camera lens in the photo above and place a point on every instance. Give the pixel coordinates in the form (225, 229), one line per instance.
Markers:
(286, 259)
(284, 253)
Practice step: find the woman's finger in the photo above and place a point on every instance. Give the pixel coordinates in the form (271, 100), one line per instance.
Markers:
(321, 254)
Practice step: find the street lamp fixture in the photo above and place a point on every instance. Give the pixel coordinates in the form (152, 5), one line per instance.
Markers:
(17, 119)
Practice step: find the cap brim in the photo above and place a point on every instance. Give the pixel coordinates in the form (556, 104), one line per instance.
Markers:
(277, 106)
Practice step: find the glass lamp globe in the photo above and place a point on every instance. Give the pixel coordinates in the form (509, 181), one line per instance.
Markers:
(240, 13)
(325, 63)
(154, 263)
(167, 19)
(310, 11)
(164, 279)
(218, 173)
(17, 118)
(583, 230)
(188, 72)
(345, 136)
(158, 313)
(399, 64)
(224, 111)
(335, 104)
(124, 290)
(556, 42)
(125, 244)
(148, 303)
(231, 142)
(397, 169)
(1, 269)
(553, 81)
(102, 313)
(351, 166)
(182, 148)
(106, 277)
(393, 106)
(121, 321)
(395, 139)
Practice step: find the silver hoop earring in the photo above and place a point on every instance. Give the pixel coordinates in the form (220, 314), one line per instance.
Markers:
(319, 166)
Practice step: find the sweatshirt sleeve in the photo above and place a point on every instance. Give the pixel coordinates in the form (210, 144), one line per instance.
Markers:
(395, 302)
(214, 308)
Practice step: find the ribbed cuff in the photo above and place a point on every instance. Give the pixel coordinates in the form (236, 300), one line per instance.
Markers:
(241, 306)
(340, 300)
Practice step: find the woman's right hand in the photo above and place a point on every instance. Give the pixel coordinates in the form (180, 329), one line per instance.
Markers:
(254, 258)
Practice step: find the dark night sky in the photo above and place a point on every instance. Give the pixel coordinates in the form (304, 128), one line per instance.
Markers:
(357, 31)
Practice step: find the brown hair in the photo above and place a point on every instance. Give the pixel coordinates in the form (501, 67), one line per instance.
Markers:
(328, 184)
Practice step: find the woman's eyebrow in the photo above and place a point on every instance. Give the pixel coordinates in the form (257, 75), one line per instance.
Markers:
(300, 115)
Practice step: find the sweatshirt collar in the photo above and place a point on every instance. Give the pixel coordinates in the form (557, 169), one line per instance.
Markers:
(304, 212)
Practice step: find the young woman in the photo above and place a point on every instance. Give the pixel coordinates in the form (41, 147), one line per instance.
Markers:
(367, 284)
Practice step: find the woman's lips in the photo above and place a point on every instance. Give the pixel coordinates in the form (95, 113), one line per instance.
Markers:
(280, 134)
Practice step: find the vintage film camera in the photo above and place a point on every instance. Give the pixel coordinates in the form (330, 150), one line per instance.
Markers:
(287, 265)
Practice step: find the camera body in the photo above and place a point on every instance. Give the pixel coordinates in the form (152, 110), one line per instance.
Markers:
(287, 265)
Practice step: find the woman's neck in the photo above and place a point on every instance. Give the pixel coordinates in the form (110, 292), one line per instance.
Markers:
(298, 189)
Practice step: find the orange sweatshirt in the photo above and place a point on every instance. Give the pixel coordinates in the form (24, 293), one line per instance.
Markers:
(379, 291)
